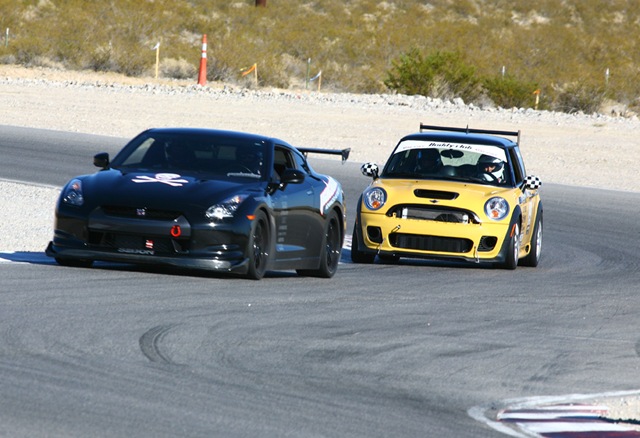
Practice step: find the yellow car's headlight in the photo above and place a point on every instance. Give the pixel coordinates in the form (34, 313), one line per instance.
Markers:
(374, 198)
(496, 208)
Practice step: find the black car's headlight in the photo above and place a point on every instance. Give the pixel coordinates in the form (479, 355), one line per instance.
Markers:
(374, 198)
(496, 208)
(73, 193)
(225, 209)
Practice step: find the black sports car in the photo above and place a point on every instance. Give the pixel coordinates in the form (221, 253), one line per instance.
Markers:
(205, 199)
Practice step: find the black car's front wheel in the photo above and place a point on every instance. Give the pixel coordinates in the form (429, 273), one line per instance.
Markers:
(258, 248)
(331, 249)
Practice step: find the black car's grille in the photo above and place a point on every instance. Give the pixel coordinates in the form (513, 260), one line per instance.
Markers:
(432, 213)
(128, 242)
(140, 213)
(430, 243)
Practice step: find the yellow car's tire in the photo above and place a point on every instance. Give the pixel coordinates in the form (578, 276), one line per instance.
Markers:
(511, 259)
(358, 256)
(533, 258)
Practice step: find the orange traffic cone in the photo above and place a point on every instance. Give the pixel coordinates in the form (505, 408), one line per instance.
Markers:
(202, 74)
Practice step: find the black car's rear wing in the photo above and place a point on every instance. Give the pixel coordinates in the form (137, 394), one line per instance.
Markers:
(344, 152)
(468, 130)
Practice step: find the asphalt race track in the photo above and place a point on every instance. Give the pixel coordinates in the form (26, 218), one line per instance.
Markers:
(379, 350)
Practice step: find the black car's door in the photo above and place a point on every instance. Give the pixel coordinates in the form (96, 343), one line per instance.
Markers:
(296, 209)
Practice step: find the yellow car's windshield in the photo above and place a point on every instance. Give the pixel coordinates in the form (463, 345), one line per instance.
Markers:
(483, 164)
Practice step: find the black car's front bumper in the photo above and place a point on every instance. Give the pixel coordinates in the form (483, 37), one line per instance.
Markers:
(187, 262)
(169, 241)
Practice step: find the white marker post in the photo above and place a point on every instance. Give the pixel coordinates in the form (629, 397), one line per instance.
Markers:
(157, 49)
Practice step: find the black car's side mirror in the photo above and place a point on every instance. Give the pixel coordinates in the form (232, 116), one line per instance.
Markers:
(292, 176)
(101, 160)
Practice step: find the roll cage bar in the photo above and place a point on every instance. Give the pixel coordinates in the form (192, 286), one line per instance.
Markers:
(468, 130)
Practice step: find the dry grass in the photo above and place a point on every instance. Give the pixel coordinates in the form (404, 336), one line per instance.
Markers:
(559, 45)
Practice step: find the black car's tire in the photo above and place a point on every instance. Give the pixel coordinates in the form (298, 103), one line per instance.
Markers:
(258, 247)
(511, 260)
(74, 263)
(358, 256)
(330, 251)
(533, 258)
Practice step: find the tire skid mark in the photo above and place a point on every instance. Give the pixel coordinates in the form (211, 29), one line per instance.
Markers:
(150, 343)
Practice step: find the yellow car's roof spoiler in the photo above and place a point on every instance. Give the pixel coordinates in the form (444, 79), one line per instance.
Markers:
(468, 130)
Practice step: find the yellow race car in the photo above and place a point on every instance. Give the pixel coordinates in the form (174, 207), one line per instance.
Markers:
(453, 194)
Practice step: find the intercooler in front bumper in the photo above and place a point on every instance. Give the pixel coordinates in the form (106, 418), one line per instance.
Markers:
(429, 242)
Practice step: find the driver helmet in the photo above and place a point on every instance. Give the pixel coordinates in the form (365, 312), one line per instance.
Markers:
(251, 159)
(488, 165)
(179, 155)
(429, 160)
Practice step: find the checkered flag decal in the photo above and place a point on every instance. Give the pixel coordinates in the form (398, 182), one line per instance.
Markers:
(369, 169)
(533, 182)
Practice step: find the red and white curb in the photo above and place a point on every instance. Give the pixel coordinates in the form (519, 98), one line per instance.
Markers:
(558, 417)
(566, 421)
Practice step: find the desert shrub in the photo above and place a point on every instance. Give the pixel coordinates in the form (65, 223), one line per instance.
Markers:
(101, 59)
(219, 70)
(7, 59)
(132, 60)
(27, 51)
(441, 74)
(272, 72)
(268, 73)
(579, 97)
(509, 92)
(177, 69)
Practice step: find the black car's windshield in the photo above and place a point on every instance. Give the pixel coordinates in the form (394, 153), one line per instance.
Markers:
(485, 164)
(209, 155)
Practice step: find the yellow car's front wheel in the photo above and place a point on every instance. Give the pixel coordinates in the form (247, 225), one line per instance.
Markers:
(536, 244)
(513, 249)
(357, 255)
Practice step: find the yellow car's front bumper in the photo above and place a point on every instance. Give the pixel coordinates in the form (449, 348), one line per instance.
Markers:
(407, 237)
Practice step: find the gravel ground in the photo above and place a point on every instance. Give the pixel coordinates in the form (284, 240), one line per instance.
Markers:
(583, 150)
(34, 230)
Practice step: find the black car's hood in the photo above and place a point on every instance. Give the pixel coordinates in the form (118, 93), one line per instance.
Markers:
(160, 190)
